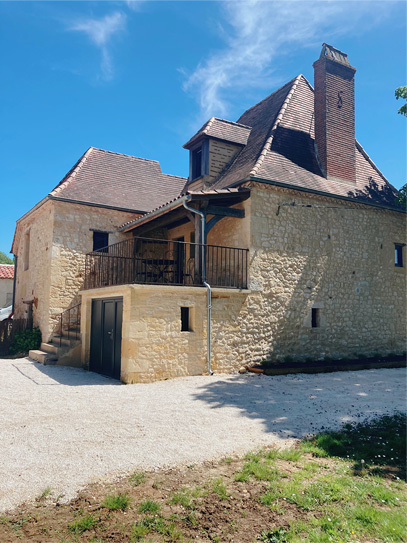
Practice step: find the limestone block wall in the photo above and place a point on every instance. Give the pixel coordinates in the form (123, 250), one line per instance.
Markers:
(72, 238)
(6, 292)
(153, 345)
(323, 254)
(331, 255)
(33, 247)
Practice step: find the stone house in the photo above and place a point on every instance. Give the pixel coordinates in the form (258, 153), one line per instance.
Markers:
(285, 240)
(6, 284)
(82, 213)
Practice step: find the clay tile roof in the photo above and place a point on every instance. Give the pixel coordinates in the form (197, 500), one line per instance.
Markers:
(281, 150)
(120, 181)
(6, 271)
(223, 130)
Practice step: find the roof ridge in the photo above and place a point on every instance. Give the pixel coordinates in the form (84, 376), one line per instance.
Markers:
(208, 125)
(232, 122)
(267, 97)
(124, 154)
(172, 175)
(72, 173)
(279, 117)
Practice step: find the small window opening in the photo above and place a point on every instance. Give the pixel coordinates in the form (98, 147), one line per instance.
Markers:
(315, 318)
(398, 255)
(185, 319)
(27, 251)
(100, 241)
(197, 163)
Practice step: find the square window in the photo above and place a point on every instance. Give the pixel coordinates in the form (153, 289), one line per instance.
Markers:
(398, 255)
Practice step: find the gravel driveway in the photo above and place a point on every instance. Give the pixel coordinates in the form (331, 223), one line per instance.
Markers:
(64, 427)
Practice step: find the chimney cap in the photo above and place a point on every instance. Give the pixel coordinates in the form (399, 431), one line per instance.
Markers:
(334, 54)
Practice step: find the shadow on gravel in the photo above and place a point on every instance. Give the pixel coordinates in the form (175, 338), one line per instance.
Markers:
(61, 375)
(298, 406)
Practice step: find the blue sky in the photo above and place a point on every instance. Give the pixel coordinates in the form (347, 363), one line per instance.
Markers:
(140, 77)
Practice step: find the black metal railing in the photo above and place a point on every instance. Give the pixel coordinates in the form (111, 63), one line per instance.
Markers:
(156, 261)
(70, 323)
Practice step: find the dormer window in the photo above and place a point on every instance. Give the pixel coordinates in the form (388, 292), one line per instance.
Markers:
(196, 163)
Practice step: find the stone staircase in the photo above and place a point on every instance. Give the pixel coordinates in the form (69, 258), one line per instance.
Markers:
(58, 352)
(63, 349)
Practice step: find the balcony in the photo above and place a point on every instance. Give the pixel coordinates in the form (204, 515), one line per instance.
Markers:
(155, 261)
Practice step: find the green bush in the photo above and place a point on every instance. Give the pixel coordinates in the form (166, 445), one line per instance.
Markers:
(25, 341)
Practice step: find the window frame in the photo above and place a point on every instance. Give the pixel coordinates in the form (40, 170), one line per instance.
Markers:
(203, 148)
(104, 247)
(398, 255)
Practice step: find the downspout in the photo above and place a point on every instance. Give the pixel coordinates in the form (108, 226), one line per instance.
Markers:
(14, 283)
(208, 288)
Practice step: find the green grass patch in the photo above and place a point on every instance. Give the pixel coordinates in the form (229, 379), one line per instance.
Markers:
(379, 443)
(116, 502)
(137, 478)
(82, 524)
(219, 488)
(148, 506)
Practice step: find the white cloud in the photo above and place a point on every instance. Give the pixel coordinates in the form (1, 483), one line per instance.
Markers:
(256, 32)
(100, 32)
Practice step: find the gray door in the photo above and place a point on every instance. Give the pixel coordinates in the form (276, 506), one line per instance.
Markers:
(106, 337)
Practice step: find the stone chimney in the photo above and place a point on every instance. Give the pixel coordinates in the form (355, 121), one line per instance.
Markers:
(334, 106)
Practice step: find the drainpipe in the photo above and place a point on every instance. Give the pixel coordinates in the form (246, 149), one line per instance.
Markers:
(14, 283)
(208, 288)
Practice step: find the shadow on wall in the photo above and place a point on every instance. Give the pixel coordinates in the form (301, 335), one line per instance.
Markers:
(300, 405)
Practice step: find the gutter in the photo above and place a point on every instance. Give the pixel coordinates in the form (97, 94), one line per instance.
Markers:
(208, 288)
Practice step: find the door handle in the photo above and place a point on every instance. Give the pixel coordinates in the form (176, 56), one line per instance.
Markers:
(110, 334)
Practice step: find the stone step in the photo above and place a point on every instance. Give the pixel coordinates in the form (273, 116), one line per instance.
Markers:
(48, 348)
(43, 357)
(64, 342)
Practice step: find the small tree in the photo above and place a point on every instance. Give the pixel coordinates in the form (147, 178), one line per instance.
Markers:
(4, 259)
(401, 199)
(401, 92)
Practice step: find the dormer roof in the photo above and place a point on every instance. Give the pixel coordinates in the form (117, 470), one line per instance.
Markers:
(222, 130)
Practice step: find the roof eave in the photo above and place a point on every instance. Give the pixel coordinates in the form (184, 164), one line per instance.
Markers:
(320, 193)
(153, 215)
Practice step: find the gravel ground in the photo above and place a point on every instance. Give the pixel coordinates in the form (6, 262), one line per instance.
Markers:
(64, 427)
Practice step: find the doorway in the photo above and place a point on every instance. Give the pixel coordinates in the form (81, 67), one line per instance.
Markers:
(106, 337)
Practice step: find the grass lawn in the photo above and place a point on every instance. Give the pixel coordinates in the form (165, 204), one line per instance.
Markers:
(346, 486)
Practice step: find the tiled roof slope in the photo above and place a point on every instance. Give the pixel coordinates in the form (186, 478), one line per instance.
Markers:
(6, 271)
(115, 180)
(223, 130)
(281, 149)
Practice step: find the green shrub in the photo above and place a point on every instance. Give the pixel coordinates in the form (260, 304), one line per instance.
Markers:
(25, 341)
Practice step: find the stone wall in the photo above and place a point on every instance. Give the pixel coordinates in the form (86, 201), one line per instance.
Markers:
(153, 345)
(323, 254)
(72, 239)
(33, 248)
(60, 234)
(331, 255)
